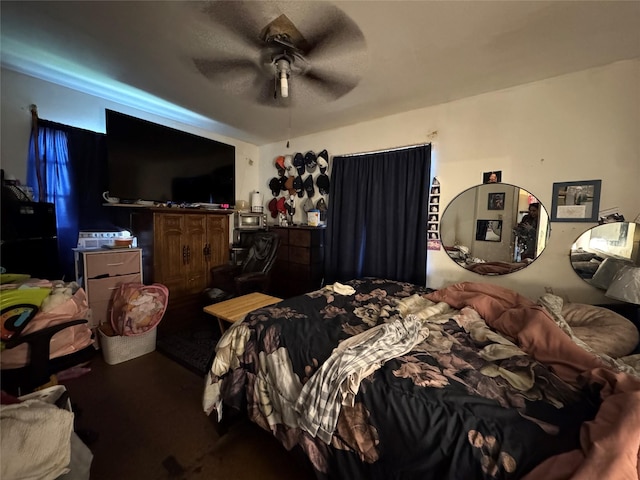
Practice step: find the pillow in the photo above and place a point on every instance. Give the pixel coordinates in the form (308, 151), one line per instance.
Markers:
(603, 330)
(581, 256)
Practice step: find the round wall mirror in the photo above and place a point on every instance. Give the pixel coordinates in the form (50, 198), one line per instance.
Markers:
(494, 229)
(598, 254)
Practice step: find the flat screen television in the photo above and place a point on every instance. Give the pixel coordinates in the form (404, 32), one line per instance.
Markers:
(152, 162)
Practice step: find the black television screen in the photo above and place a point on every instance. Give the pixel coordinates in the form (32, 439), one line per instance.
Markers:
(148, 161)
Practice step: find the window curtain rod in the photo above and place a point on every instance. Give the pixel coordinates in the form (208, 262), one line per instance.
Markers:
(387, 150)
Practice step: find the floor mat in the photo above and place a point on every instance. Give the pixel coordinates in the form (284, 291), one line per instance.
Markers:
(193, 347)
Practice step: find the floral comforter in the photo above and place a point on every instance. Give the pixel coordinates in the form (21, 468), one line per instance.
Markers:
(406, 387)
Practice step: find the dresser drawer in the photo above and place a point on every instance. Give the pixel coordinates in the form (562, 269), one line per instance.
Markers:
(101, 289)
(283, 233)
(305, 256)
(112, 264)
(300, 238)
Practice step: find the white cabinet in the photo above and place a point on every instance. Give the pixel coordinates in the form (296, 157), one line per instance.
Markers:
(101, 271)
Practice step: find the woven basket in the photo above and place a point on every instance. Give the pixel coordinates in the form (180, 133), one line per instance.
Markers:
(121, 348)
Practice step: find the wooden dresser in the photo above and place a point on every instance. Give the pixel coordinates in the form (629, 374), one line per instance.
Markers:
(299, 266)
(179, 248)
(101, 271)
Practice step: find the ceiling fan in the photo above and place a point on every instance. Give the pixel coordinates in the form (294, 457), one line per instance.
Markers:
(258, 52)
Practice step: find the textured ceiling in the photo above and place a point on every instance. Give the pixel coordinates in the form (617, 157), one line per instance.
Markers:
(410, 54)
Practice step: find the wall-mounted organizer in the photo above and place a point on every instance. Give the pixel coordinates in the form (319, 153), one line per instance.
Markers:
(301, 185)
(433, 216)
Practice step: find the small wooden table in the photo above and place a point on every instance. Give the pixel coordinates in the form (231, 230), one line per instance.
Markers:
(237, 308)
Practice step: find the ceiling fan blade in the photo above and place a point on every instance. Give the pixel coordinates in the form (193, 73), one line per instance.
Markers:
(337, 35)
(237, 76)
(331, 85)
(237, 18)
(337, 56)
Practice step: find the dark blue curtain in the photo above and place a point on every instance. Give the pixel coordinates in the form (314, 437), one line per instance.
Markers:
(377, 216)
(72, 174)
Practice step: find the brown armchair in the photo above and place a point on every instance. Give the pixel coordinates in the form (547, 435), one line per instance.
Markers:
(253, 275)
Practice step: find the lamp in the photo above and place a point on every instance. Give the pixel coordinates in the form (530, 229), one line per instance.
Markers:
(625, 285)
(283, 67)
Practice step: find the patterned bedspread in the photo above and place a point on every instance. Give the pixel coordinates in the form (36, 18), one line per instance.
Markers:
(405, 387)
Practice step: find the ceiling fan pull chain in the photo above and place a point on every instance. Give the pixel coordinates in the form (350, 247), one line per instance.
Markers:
(289, 126)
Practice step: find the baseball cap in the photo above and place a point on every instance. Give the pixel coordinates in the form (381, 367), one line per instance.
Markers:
(321, 205)
(290, 205)
(307, 205)
(288, 164)
(274, 186)
(298, 162)
(273, 207)
(323, 165)
(288, 185)
(298, 185)
(308, 186)
(323, 183)
(280, 205)
(323, 161)
(310, 161)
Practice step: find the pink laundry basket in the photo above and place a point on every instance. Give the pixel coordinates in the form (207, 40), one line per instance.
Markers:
(138, 308)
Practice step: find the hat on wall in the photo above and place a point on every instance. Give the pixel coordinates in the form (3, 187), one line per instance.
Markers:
(298, 162)
(273, 207)
(274, 186)
(298, 185)
(288, 164)
(323, 161)
(308, 186)
(323, 165)
(282, 181)
(307, 205)
(310, 161)
(290, 205)
(321, 205)
(323, 184)
(289, 185)
(281, 207)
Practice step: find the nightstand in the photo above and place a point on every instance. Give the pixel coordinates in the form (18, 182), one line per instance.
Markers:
(101, 271)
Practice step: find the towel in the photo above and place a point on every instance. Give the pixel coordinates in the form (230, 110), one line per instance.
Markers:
(35, 440)
(341, 289)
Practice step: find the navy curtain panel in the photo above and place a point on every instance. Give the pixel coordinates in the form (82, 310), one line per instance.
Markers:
(73, 173)
(377, 216)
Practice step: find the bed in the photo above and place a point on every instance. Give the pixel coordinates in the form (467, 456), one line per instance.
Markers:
(461, 255)
(377, 379)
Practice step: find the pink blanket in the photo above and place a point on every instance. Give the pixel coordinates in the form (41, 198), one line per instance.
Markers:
(611, 442)
(69, 340)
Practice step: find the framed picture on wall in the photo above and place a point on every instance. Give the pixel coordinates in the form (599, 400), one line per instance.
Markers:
(489, 230)
(576, 201)
(494, 176)
(496, 201)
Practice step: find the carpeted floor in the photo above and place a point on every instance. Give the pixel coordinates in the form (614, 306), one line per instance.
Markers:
(192, 347)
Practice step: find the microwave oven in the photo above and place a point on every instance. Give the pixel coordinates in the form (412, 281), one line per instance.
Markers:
(250, 221)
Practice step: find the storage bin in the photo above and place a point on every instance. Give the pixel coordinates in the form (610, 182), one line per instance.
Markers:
(121, 348)
(313, 218)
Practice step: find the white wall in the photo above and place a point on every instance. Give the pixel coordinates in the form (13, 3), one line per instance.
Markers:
(580, 126)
